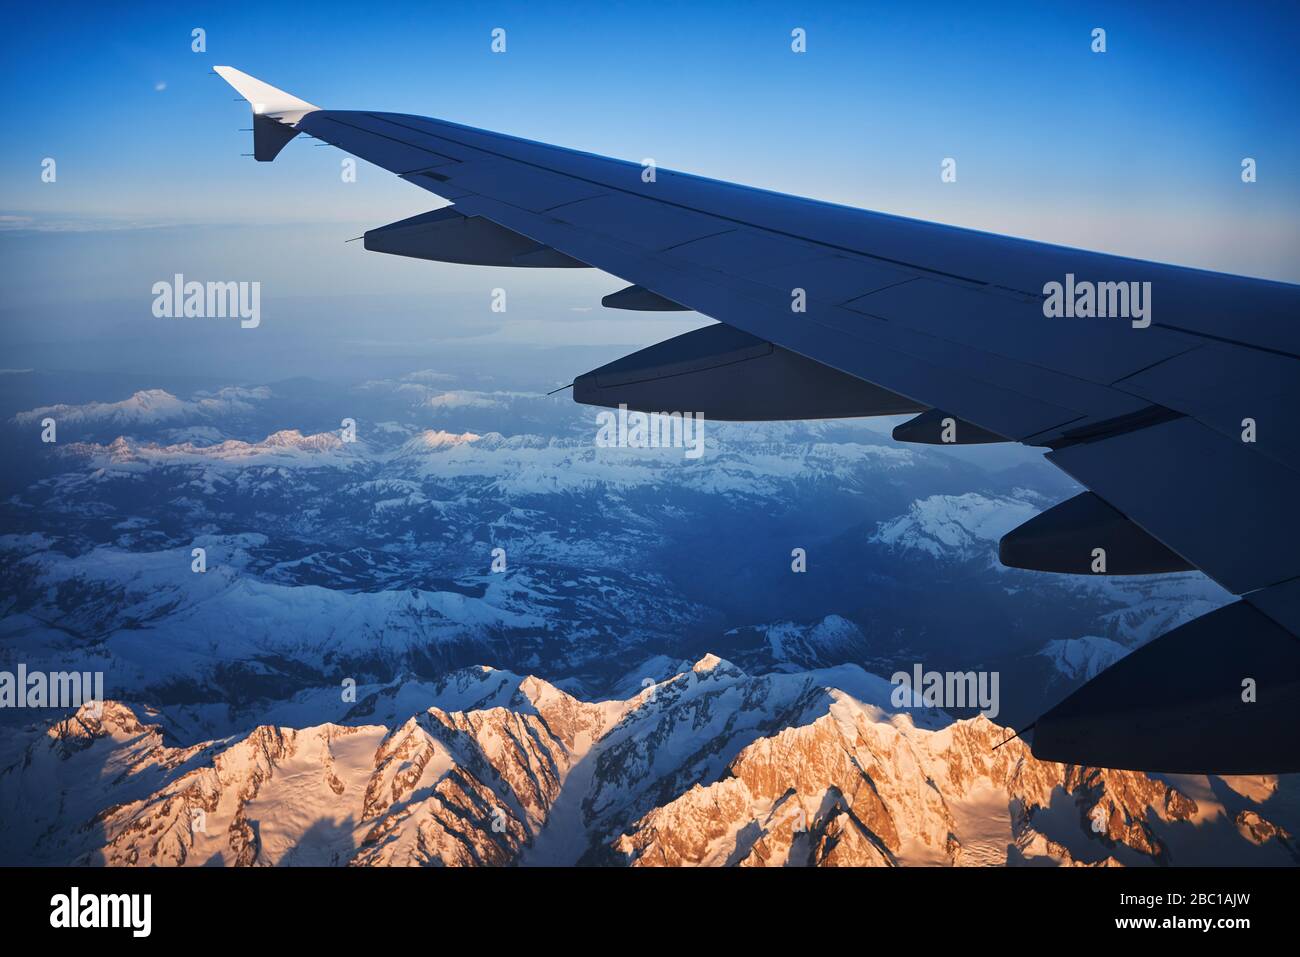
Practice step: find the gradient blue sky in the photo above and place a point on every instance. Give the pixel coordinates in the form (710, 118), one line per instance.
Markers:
(1135, 151)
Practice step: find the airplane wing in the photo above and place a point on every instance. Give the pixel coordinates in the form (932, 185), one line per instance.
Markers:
(1170, 393)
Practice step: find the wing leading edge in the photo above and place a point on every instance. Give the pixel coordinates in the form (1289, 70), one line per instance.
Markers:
(837, 311)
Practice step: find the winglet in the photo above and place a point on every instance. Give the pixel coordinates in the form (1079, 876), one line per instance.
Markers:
(275, 112)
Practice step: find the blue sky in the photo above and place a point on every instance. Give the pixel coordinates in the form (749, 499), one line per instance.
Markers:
(1135, 151)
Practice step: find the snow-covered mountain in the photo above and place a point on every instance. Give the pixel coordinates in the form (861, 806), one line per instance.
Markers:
(957, 526)
(709, 767)
(466, 523)
(368, 557)
(151, 407)
(1084, 657)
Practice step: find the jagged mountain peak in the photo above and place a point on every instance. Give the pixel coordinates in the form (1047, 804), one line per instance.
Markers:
(710, 662)
(711, 767)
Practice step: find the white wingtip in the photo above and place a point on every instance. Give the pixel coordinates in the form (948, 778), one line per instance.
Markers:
(265, 99)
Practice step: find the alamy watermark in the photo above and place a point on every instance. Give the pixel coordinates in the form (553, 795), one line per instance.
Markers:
(653, 430)
(946, 689)
(1103, 300)
(179, 299)
(133, 912)
(51, 689)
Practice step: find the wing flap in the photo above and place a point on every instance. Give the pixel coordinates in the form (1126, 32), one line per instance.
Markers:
(1013, 326)
(642, 223)
(1218, 695)
(1226, 509)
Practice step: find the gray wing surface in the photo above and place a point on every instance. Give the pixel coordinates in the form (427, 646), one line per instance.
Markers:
(833, 311)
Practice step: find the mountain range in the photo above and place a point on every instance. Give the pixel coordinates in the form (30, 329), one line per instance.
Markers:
(671, 689)
(708, 767)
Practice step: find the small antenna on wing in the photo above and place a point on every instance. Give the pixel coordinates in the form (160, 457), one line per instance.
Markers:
(560, 389)
(1016, 735)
